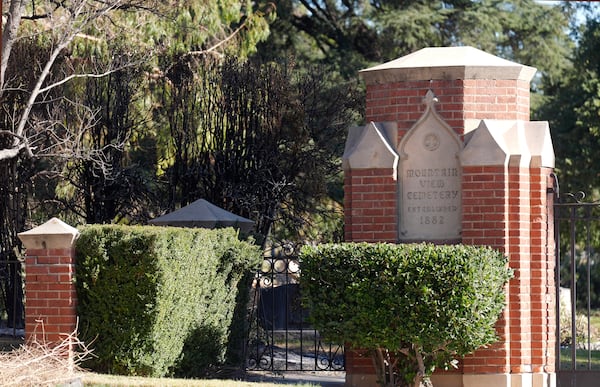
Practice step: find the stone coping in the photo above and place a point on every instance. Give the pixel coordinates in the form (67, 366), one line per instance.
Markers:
(447, 63)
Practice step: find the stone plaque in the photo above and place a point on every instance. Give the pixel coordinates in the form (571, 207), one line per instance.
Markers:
(430, 180)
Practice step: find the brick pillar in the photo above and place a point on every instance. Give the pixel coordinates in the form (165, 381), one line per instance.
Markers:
(51, 306)
(543, 262)
(486, 222)
(519, 243)
(507, 205)
(463, 103)
(370, 185)
(498, 215)
(506, 162)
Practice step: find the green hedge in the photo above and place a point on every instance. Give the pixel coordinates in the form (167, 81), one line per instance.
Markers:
(419, 303)
(156, 301)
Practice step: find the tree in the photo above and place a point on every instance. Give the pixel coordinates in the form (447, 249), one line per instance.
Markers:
(573, 111)
(72, 33)
(47, 46)
(414, 307)
(110, 191)
(354, 34)
(92, 20)
(257, 139)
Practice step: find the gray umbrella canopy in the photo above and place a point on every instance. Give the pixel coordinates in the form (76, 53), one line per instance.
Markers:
(202, 213)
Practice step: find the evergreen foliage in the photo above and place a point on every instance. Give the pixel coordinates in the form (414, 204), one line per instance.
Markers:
(354, 34)
(162, 116)
(573, 112)
(156, 301)
(44, 119)
(419, 303)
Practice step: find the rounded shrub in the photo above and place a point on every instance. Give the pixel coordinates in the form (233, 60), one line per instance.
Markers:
(415, 307)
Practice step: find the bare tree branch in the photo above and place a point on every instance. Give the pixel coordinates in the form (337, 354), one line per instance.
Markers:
(80, 17)
(74, 76)
(70, 144)
(220, 43)
(11, 152)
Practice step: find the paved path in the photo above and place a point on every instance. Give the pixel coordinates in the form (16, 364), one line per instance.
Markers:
(336, 379)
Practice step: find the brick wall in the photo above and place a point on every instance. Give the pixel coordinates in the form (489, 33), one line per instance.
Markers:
(370, 205)
(459, 101)
(51, 307)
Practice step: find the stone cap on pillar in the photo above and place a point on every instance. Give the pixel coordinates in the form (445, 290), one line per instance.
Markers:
(447, 63)
(509, 142)
(371, 146)
(54, 234)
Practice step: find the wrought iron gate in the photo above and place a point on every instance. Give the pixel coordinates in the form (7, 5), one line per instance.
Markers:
(281, 338)
(577, 235)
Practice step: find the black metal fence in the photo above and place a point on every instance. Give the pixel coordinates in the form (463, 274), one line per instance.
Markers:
(577, 235)
(281, 339)
(12, 311)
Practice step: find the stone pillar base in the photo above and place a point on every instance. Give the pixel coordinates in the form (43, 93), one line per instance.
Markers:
(471, 380)
(544, 380)
(360, 380)
(447, 380)
(510, 380)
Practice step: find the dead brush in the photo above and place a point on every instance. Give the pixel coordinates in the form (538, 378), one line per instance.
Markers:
(43, 364)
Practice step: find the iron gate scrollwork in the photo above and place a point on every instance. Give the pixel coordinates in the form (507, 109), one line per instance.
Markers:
(281, 338)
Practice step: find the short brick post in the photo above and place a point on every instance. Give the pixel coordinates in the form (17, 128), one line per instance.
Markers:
(51, 305)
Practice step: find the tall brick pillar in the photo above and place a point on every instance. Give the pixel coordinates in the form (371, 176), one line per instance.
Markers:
(504, 164)
(507, 204)
(51, 306)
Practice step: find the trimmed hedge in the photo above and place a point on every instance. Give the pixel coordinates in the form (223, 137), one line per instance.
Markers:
(418, 303)
(156, 301)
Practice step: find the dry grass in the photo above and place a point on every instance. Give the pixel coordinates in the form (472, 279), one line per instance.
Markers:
(40, 364)
(97, 380)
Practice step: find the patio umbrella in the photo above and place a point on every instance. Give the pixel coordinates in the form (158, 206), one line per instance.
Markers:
(202, 213)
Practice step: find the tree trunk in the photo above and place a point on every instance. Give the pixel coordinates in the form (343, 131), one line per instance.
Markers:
(421, 380)
(9, 36)
(385, 367)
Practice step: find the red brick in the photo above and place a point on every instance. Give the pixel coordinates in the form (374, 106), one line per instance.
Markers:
(493, 213)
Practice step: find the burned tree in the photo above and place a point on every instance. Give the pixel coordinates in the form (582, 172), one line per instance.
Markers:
(260, 140)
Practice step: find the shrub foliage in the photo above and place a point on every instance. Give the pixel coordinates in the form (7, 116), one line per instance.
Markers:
(413, 306)
(158, 301)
